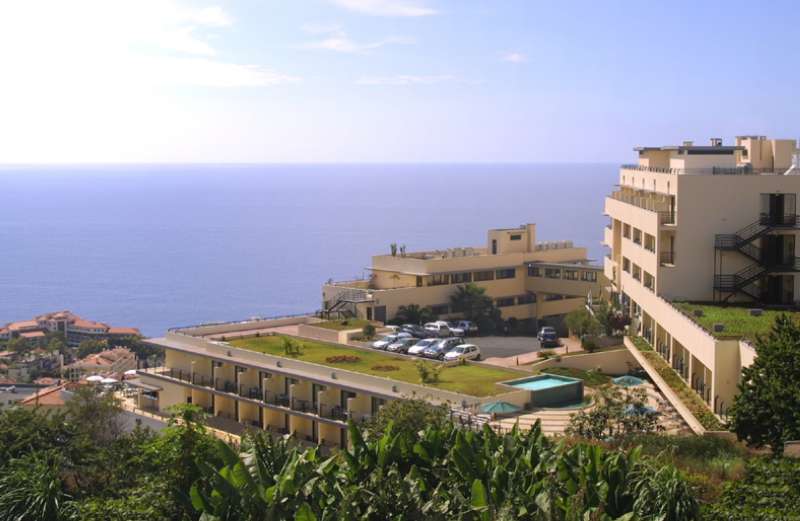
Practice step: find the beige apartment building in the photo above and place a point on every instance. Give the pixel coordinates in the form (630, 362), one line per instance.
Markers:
(241, 387)
(526, 279)
(711, 223)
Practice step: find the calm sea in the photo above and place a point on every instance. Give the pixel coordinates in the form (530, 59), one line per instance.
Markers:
(162, 246)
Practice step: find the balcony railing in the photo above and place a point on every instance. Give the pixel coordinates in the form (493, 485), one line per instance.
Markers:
(651, 203)
(667, 257)
(334, 412)
(715, 170)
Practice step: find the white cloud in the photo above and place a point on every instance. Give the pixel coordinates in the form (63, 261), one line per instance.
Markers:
(405, 79)
(386, 7)
(100, 44)
(514, 57)
(337, 40)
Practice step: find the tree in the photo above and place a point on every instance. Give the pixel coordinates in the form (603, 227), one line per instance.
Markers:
(31, 488)
(767, 409)
(409, 415)
(580, 322)
(98, 413)
(474, 304)
(617, 415)
(19, 345)
(414, 314)
(91, 346)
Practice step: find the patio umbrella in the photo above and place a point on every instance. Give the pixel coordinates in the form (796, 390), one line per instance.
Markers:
(109, 381)
(641, 410)
(628, 381)
(94, 378)
(499, 408)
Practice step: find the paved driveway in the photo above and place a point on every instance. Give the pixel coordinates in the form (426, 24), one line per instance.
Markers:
(505, 346)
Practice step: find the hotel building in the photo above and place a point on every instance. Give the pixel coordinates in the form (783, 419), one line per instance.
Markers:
(526, 279)
(241, 386)
(713, 223)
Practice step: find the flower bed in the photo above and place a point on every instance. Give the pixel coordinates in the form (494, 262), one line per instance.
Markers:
(343, 359)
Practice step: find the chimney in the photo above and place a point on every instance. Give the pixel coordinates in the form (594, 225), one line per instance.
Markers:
(716, 142)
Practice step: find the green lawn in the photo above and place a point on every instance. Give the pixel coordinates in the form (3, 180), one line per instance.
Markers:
(341, 325)
(738, 321)
(590, 378)
(468, 379)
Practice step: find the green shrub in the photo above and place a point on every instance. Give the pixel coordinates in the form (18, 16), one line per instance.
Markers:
(368, 331)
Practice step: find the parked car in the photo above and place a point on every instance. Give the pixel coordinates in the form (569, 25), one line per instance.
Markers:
(415, 330)
(463, 352)
(548, 337)
(455, 330)
(467, 326)
(402, 345)
(438, 328)
(442, 347)
(385, 341)
(421, 346)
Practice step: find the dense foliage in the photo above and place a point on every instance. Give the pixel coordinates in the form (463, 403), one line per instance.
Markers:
(472, 302)
(409, 463)
(767, 408)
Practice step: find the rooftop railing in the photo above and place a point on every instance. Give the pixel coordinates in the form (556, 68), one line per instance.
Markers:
(715, 170)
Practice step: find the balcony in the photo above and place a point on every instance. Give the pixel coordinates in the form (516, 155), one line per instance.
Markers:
(272, 399)
(667, 258)
(651, 201)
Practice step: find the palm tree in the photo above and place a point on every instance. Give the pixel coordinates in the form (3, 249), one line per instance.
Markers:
(473, 303)
(414, 314)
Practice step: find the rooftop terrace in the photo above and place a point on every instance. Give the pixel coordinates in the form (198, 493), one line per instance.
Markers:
(737, 320)
(469, 379)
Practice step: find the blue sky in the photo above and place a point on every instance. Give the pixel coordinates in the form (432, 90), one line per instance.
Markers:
(387, 80)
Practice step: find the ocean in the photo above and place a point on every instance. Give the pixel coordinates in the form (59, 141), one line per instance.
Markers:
(158, 246)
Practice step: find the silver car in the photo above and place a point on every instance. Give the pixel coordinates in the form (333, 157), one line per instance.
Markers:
(402, 345)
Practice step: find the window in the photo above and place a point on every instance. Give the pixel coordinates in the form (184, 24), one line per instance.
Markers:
(505, 302)
(553, 296)
(649, 242)
(440, 309)
(419, 281)
(439, 279)
(649, 281)
(626, 231)
(589, 276)
(571, 274)
(626, 264)
(480, 276)
(461, 278)
(509, 273)
(637, 236)
(637, 273)
(552, 273)
(528, 298)
(377, 403)
(534, 271)
(516, 237)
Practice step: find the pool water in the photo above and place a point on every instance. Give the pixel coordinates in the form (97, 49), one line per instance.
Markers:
(543, 382)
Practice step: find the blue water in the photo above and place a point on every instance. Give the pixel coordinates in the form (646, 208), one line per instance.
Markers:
(539, 383)
(162, 246)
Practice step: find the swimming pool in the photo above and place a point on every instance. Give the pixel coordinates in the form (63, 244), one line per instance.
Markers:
(537, 383)
(547, 390)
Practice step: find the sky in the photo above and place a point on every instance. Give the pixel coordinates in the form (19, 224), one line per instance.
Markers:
(152, 81)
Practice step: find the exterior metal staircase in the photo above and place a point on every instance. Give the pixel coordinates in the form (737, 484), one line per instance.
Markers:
(745, 281)
(344, 303)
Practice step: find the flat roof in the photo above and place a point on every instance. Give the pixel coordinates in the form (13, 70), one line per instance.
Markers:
(722, 149)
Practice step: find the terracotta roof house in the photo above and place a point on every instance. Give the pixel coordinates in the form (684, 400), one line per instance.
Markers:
(109, 362)
(75, 328)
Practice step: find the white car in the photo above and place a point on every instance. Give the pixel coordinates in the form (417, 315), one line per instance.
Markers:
(439, 328)
(383, 343)
(421, 346)
(467, 326)
(463, 352)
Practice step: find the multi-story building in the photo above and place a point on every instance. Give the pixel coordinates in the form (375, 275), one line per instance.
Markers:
(241, 385)
(710, 223)
(526, 279)
(74, 328)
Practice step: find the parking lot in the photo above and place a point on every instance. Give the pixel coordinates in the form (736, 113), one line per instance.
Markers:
(504, 346)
